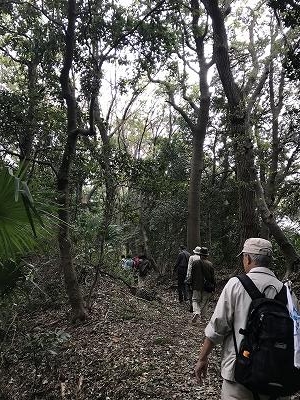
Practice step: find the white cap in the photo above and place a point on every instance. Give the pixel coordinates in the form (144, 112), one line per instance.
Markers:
(197, 250)
(257, 246)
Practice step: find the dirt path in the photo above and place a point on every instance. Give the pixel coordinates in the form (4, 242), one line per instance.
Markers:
(128, 349)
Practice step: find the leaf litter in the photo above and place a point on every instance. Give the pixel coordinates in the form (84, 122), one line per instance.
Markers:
(127, 349)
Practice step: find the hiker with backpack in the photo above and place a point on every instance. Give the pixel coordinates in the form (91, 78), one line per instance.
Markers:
(194, 257)
(181, 269)
(136, 262)
(143, 271)
(188, 278)
(203, 284)
(128, 263)
(252, 324)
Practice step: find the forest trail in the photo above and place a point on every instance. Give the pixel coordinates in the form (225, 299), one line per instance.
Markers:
(128, 349)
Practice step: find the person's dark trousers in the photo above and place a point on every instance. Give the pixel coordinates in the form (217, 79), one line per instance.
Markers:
(182, 293)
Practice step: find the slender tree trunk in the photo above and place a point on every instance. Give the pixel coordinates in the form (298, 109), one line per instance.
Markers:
(110, 187)
(199, 133)
(276, 107)
(145, 236)
(193, 222)
(63, 180)
(270, 182)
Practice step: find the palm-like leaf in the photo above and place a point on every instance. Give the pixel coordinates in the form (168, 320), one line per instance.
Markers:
(17, 216)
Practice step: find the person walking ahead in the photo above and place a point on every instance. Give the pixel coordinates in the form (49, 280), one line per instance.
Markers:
(203, 284)
(231, 314)
(192, 279)
(181, 269)
(194, 257)
(209, 281)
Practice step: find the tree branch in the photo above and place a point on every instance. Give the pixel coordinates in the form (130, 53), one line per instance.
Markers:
(258, 88)
(34, 160)
(184, 115)
(41, 10)
(7, 54)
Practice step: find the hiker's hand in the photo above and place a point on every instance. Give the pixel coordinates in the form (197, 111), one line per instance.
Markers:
(201, 369)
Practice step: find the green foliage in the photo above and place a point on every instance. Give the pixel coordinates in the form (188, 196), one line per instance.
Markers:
(42, 344)
(292, 233)
(6, 7)
(289, 12)
(149, 165)
(220, 220)
(18, 279)
(86, 236)
(292, 63)
(289, 9)
(12, 118)
(158, 36)
(158, 195)
(160, 180)
(11, 274)
(113, 266)
(18, 216)
(162, 173)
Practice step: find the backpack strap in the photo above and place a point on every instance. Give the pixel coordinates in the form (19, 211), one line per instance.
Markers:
(254, 293)
(250, 287)
(282, 296)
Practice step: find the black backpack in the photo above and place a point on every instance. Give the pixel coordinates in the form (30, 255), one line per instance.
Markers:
(209, 282)
(265, 360)
(208, 286)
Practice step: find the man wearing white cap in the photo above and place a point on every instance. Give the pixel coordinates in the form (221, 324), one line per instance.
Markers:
(231, 313)
(192, 259)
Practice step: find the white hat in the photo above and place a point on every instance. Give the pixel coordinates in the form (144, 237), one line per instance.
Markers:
(197, 250)
(257, 246)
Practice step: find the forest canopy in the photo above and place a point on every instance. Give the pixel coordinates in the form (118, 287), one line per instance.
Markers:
(139, 126)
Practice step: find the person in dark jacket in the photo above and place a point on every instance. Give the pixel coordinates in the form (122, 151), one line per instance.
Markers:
(181, 269)
(202, 282)
(143, 271)
(209, 283)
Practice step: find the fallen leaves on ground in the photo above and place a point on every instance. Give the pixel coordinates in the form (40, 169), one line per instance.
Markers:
(129, 348)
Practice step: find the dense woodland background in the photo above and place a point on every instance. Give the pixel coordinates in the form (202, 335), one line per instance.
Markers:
(134, 127)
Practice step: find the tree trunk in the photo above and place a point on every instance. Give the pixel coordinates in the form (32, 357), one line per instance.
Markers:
(276, 107)
(244, 160)
(71, 283)
(145, 237)
(105, 158)
(292, 258)
(199, 133)
(243, 149)
(193, 222)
